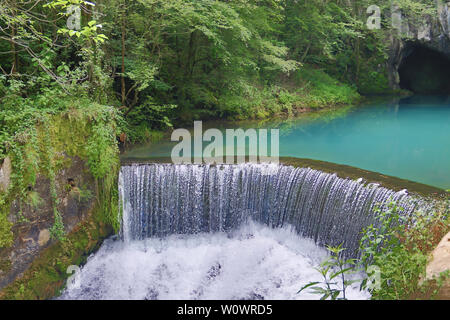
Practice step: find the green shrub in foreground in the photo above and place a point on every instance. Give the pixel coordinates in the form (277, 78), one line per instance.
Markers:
(400, 246)
(394, 254)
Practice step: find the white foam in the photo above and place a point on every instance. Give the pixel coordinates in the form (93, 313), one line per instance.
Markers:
(252, 262)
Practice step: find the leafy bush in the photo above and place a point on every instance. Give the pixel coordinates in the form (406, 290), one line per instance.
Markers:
(394, 254)
(6, 236)
(101, 153)
(305, 89)
(334, 271)
(399, 246)
(39, 132)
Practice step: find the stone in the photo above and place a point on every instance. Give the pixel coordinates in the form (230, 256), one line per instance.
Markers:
(433, 33)
(5, 174)
(440, 262)
(44, 237)
(424, 32)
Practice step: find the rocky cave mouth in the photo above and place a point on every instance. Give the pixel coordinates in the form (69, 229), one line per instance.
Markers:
(425, 71)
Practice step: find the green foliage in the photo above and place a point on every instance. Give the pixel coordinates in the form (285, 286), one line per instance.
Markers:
(334, 271)
(317, 30)
(414, 11)
(193, 55)
(34, 199)
(304, 89)
(88, 32)
(57, 231)
(108, 200)
(400, 246)
(102, 155)
(6, 236)
(143, 119)
(82, 194)
(208, 58)
(33, 29)
(42, 130)
(324, 90)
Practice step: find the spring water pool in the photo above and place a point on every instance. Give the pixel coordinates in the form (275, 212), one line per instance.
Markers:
(407, 138)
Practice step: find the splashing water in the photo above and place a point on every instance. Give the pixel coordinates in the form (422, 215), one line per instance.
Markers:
(252, 262)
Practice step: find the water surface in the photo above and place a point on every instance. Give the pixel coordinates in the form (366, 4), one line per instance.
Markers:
(407, 138)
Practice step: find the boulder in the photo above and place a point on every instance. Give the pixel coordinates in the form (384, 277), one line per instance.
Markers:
(440, 262)
(5, 174)
(44, 237)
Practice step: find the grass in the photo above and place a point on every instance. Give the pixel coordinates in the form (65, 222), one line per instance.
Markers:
(304, 90)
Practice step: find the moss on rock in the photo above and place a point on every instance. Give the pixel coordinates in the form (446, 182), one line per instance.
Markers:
(62, 197)
(46, 276)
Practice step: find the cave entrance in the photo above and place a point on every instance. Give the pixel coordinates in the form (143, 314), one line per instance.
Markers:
(424, 71)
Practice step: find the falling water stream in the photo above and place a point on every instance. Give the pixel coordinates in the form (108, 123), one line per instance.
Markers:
(164, 199)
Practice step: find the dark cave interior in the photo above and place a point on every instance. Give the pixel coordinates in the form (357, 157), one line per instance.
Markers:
(424, 71)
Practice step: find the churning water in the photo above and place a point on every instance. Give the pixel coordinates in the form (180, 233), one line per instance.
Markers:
(248, 231)
(252, 262)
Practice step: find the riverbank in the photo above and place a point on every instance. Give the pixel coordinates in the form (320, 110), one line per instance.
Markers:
(306, 91)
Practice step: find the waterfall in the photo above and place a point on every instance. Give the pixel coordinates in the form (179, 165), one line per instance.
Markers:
(162, 199)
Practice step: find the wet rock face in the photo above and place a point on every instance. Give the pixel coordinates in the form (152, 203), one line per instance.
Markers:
(433, 34)
(32, 224)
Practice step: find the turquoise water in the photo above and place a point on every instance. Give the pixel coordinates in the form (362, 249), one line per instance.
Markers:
(407, 138)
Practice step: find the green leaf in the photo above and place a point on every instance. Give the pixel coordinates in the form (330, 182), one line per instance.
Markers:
(307, 286)
(334, 275)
